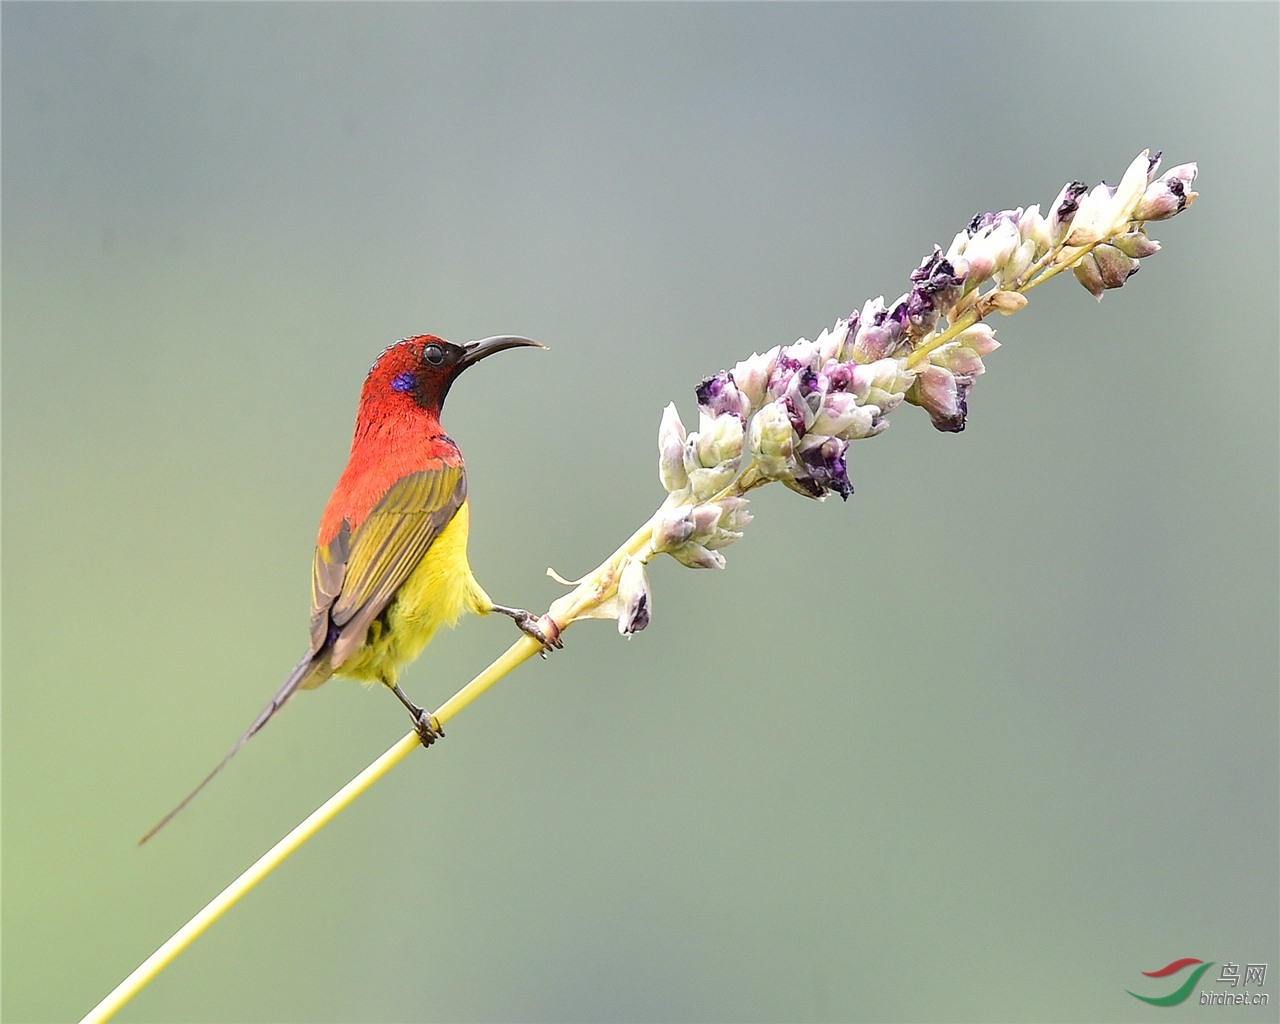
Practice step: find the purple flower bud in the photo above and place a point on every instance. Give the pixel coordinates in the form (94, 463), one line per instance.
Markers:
(1153, 164)
(784, 370)
(798, 414)
(984, 222)
(925, 270)
(795, 358)
(922, 311)
(1065, 208)
(822, 469)
(1169, 195)
(943, 395)
(937, 286)
(839, 376)
(719, 394)
(811, 383)
(803, 399)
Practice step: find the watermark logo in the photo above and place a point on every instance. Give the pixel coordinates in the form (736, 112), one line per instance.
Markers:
(1231, 975)
(1179, 995)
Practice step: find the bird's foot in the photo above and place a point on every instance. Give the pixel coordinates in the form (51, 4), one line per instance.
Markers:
(543, 629)
(428, 728)
(425, 724)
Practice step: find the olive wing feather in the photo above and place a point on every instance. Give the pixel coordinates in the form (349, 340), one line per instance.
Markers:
(357, 574)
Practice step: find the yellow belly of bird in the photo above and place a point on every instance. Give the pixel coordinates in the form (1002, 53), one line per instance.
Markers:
(436, 593)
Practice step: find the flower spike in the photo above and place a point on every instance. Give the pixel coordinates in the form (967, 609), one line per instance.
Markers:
(790, 414)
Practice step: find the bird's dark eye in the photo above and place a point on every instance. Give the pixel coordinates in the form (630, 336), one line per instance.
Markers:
(433, 355)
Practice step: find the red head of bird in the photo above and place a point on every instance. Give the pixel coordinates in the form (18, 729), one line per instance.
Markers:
(411, 378)
(398, 428)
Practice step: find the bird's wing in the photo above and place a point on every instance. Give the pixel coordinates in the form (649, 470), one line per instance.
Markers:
(356, 575)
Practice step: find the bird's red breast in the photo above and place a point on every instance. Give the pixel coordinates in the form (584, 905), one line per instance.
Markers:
(397, 433)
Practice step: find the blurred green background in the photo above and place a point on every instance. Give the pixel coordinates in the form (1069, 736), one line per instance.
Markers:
(983, 743)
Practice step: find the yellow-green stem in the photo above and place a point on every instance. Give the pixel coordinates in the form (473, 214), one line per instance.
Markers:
(921, 354)
(265, 864)
(1061, 261)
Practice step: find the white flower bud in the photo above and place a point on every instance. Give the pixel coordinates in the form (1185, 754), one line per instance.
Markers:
(695, 556)
(671, 438)
(735, 515)
(634, 598)
(705, 519)
(1018, 263)
(980, 338)
(721, 443)
(841, 415)
(1006, 303)
(1136, 244)
(989, 250)
(771, 441)
(674, 527)
(1129, 192)
(831, 341)
(752, 376)
(1034, 229)
(1093, 220)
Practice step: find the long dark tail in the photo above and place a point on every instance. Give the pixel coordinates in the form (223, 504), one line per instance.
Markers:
(313, 670)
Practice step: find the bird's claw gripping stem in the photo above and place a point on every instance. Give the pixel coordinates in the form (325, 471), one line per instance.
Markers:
(543, 629)
(428, 728)
(425, 724)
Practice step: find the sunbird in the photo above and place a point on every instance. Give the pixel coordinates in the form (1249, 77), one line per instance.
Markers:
(390, 565)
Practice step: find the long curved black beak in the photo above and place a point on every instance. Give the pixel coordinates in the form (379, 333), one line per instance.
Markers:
(474, 351)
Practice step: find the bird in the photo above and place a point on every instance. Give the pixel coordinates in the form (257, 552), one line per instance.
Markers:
(390, 565)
